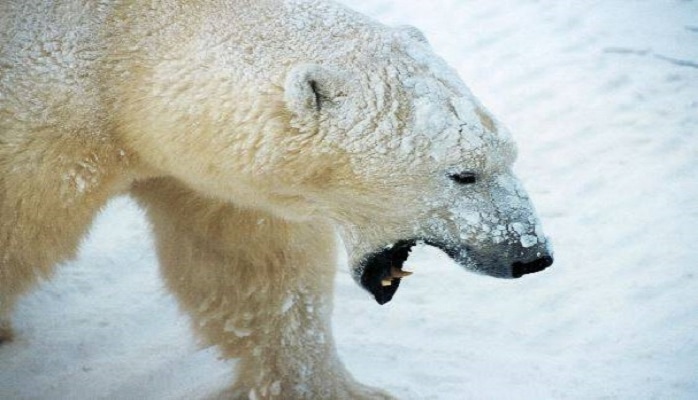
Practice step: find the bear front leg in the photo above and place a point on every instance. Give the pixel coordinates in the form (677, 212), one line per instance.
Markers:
(258, 287)
(291, 354)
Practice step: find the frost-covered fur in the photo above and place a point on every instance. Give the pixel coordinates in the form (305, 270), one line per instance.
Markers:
(253, 132)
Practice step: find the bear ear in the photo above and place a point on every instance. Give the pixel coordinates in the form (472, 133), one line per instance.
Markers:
(311, 87)
(413, 33)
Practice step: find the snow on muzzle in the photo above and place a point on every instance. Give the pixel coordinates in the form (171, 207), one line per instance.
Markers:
(493, 229)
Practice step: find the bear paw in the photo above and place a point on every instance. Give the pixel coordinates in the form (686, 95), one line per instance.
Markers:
(345, 391)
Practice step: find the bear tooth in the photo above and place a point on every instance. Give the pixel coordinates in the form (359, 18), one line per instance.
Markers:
(386, 282)
(398, 273)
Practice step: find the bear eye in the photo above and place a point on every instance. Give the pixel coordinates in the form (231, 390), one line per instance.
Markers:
(463, 178)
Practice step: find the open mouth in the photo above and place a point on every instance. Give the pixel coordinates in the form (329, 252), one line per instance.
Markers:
(382, 270)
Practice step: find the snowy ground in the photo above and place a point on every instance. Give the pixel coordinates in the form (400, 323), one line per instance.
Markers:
(602, 97)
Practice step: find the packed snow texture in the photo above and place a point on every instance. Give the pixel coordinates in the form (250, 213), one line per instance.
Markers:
(602, 99)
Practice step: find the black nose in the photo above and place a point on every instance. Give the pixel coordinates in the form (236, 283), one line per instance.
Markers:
(520, 269)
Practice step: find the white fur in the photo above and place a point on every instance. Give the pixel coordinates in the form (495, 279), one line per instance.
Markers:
(252, 132)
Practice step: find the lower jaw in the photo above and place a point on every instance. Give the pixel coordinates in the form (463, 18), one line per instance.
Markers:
(376, 275)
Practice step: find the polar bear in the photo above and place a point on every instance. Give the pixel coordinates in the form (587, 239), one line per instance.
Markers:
(262, 137)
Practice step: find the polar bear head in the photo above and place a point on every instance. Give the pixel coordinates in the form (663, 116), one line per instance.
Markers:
(414, 157)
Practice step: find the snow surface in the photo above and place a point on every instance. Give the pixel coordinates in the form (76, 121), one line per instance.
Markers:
(602, 98)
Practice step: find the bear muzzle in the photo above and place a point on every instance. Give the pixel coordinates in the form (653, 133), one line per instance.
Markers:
(380, 272)
(503, 261)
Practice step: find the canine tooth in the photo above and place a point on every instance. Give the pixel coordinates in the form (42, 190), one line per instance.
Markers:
(386, 282)
(398, 273)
